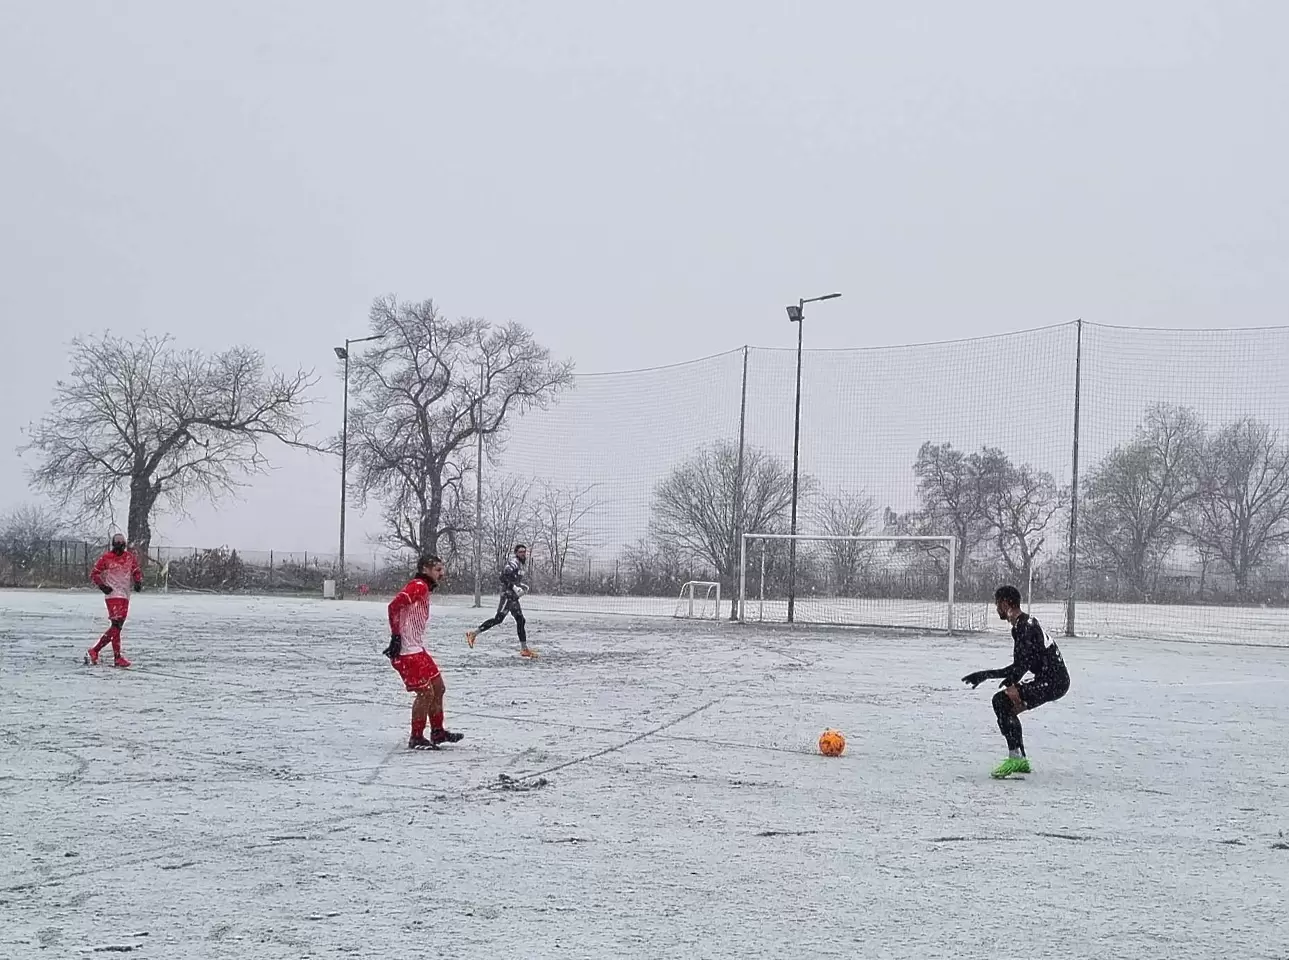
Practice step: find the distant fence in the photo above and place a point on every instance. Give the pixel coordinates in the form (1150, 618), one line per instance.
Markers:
(62, 563)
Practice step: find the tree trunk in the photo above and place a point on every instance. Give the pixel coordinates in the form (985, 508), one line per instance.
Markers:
(143, 496)
(430, 516)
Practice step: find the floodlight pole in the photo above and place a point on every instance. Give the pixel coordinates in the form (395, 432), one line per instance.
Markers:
(797, 315)
(343, 354)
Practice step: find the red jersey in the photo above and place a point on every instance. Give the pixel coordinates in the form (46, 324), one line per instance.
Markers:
(120, 572)
(409, 615)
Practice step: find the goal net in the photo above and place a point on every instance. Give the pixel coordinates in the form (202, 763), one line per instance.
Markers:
(874, 581)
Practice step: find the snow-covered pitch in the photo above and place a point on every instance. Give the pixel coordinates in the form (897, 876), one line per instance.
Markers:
(646, 789)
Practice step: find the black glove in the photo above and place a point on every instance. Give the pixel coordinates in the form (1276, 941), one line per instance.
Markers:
(395, 645)
(107, 591)
(138, 586)
(976, 679)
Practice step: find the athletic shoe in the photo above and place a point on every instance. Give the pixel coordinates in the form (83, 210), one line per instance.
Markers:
(470, 637)
(91, 657)
(120, 661)
(420, 743)
(1011, 766)
(529, 654)
(445, 736)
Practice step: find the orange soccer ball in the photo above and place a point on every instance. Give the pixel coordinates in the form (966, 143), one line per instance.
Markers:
(832, 743)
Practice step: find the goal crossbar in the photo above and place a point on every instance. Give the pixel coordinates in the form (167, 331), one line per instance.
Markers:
(949, 543)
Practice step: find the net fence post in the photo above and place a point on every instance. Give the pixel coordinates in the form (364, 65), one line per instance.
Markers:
(1074, 484)
(760, 615)
(736, 605)
(742, 575)
(478, 499)
(953, 576)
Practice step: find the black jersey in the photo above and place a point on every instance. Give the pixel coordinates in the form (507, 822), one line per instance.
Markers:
(512, 576)
(1034, 652)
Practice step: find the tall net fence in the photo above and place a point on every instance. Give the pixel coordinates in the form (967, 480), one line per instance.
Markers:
(634, 484)
(1182, 482)
(623, 489)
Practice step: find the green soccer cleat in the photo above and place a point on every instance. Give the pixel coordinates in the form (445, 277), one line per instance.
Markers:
(1011, 766)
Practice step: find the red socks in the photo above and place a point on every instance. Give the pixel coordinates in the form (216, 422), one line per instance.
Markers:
(436, 721)
(113, 636)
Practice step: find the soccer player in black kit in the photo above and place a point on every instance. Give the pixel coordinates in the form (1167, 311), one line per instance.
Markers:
(1034, 653)
(512, 588)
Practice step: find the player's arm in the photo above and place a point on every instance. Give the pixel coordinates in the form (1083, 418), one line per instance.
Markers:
(96, 575)
(137, 571)
(401, 602)
(980, 676)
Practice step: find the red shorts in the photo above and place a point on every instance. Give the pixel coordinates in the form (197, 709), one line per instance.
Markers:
(118, 608)
(418, 670)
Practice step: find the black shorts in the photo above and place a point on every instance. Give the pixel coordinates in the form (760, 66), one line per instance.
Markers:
(508, 603)
(1035, 693)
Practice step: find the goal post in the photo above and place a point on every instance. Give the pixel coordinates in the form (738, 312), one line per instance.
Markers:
(871, 581)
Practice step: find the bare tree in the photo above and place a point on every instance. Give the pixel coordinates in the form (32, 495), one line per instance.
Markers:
(421, 395)
(696, 508)
(1241, 510)
(845, 515)
(952, 499)
(26, 533)
(1135, 501)
(161, 425)
(30, 523)
(559, 515)
(509, 516)
(1019, 504)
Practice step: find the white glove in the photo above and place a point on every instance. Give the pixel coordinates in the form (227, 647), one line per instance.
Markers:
(520, 589)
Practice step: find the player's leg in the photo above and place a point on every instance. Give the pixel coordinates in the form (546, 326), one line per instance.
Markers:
(472, 635)
(439, 733)
(1007, 706)
(521, 629)
(421, 704)
(113, 632)
(1017, 699)
(119, 611)
(118, 608)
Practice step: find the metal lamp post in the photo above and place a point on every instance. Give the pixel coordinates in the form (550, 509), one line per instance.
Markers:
(343, 354)
(797, 315)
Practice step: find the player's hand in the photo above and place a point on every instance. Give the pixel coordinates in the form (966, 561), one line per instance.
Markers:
(395, 645)
(107, 591)
(975, 679)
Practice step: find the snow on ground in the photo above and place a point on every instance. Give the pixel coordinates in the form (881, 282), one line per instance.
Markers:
(243, 792)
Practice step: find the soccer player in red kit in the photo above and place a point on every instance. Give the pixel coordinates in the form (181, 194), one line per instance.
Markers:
(116, 571)
(409, 615)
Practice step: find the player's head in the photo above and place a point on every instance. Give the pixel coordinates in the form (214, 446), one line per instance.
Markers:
(118, 543)
(521, 553)
(1007, 600)
(430, 568)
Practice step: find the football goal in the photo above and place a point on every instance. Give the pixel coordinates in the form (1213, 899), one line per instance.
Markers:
(869, 581)
(699, 600)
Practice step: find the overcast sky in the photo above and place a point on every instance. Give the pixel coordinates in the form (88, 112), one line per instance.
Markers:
(640, 183)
